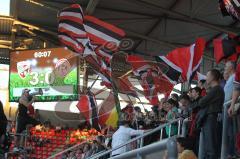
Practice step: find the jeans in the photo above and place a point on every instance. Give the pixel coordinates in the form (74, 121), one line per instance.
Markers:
(211, 137)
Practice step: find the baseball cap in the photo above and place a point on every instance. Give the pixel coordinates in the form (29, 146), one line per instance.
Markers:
(25, 90)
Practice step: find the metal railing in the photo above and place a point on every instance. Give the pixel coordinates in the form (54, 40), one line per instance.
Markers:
(169, 144)
(185, 127)
(141, 139)
(162, 144)
(66, 150)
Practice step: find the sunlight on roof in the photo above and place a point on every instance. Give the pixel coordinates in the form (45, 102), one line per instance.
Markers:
(5, 7)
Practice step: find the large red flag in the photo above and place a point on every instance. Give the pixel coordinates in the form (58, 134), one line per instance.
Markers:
(151, 77)
(227, 49)
(105, 37)
(107, 112)
(186, 59)
(87, 105)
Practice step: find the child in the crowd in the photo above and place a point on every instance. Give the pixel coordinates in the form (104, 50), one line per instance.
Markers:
(171, 115)
(184, 149)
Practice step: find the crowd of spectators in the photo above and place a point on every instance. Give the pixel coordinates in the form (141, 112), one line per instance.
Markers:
(202, 105)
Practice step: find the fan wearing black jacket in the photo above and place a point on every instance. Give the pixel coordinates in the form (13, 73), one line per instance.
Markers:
(3, 126)
(210, 107)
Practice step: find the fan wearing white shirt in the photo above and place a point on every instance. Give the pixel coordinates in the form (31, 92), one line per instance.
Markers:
(123, 135)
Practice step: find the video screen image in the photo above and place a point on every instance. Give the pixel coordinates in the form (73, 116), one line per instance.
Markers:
(52, 71)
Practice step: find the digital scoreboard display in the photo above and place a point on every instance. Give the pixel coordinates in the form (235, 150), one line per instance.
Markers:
(52, 70)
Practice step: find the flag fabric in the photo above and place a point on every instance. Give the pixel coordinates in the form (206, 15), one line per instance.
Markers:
(124, 86)
(184, 60)
(201, 76)
(171, 71)
(197, 55)
(120, 74)
(88, 107)
(107, 112)
(227, 49)
(149, 86)
(105, 37)
(71, 31)
(151, 77)
(99, 116)
(92, 38)
(160, 74)
(230, 8)
(198, 76)
(142, 69)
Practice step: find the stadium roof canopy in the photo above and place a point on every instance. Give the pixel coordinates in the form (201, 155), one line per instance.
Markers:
(155, 26)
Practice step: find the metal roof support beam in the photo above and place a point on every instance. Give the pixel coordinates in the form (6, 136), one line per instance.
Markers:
(92, 4)
(220, 34)
(156, 24)
(14, 13)
(168, 44)
(129, 12)
(6, 42)
(33, 27)
(2, 17)
(35, 35)
(43, 5)
(155, 5)
(30, 26)
(5, 47)
(104, 8)
(131, 33)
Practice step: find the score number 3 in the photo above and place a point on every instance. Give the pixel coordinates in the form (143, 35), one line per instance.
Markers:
(49, 78)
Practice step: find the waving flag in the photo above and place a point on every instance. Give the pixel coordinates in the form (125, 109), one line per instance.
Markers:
(71, 31)
(92, 38)
(99, 116)
(124, 86)
(151, 77)
(87, 105)
(107, 112)
(197, 55)
(149, 86)
(160, 74)
(230, 8)
(105, 37)
(96, 41)
(226, 49)
(185, 60)
(173, 72)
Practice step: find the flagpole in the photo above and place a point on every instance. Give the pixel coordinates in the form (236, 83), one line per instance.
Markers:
(116, 99)
(93, 82)
(141, 103)
(85, 78)
(130, 99)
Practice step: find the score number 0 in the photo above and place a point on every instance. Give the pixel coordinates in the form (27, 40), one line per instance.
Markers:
(49, 78)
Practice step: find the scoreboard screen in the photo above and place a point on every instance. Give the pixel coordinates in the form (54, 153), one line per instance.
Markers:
(52, 70)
